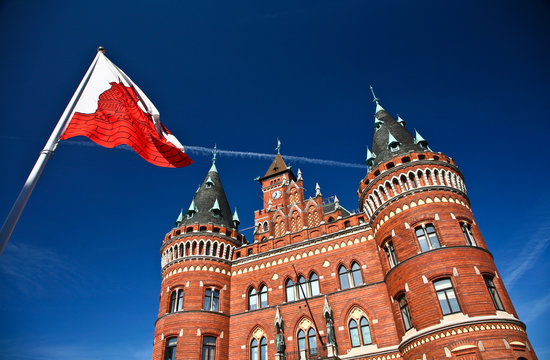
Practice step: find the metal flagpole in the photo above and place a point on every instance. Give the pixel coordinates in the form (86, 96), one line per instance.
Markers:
(45, 154)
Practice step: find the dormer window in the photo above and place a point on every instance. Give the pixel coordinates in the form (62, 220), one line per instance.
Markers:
(394, 147)
(377, 124)
(216, 211)
(209, 183)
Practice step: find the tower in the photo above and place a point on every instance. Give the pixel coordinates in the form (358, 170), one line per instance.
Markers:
(193, 318)
(448, 300)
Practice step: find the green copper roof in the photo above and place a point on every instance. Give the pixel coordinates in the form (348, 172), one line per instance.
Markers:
(192, 208)
(370, 157)
(391, 140)
(216, 206)
(401, 121)
(180, 218)
(209, 181)
(418, 139)
(236, 217)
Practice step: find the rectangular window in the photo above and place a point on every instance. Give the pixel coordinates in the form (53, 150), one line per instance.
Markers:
(211, 299)
(390, 254)
(170, 351)
(427, 237)
(446, 295)
(405, 314)
(493, 291)
(467, 231)
(176, 300)
(208, 348)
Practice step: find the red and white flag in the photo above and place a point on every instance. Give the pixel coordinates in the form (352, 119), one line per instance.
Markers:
(113, 111)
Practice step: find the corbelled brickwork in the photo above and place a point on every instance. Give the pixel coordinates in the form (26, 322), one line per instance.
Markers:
(408, 277)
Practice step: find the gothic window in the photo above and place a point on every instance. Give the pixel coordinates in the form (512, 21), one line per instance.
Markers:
(493, 292)
(365, 331)
(390, 254)
(263, 296)
(170, 351)
(302, 287)
(262, 353)
(356, 274)
(176, 300)
(207, 253)
(427, 237)
(354, 333)
(350, 278)
(314, 284)
(208, 348)
(289, 286)
(343, 275)
(467, 231)
(311, 341)
(295, 222)
(301, 341)
(413, 181)
(405, 314)
(252, 299)
(211, 299)
(365, 337)
(447, 297)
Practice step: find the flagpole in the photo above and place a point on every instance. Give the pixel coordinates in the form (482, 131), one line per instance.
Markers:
(45, 154)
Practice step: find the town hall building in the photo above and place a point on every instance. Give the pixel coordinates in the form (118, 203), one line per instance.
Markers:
(409, 276)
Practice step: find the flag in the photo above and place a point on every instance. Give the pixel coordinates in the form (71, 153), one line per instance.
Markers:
(112, 110)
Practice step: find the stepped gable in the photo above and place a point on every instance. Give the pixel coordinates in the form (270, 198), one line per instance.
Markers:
(209, 204)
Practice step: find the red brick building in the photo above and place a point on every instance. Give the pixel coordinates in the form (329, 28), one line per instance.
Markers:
(407, 277)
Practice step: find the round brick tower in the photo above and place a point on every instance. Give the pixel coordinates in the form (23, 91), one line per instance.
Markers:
(193, 318)
(447, 296)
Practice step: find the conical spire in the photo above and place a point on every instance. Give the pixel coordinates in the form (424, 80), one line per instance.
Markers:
(210, 205)
(390, 139)
(180, 218)
(418, 139)
(236, 220)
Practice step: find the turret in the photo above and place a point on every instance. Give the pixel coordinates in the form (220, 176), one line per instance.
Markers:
(196, 261)
(440, 275)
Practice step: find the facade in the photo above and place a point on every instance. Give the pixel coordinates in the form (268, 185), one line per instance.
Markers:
(409, 276)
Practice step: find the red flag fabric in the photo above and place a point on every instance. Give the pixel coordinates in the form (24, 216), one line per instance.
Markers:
(113, 111)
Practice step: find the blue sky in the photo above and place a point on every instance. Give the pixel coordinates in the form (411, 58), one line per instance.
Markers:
(80, 277)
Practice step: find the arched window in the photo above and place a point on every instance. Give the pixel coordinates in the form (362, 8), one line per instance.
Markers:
(263, 349)
(208, 348)
(263, 296)
(354, 333)
(467, 231)
(365, 331)
(207, 253)
(356, 274)
(405, 314)
(343, 275)
(312, 341)
(289, 286)
(214, 249)
(252, 299)
(404, 183)
(211, 299)
(302, 290)
(413, 181)
(314, 284)
(254, 349)
(301, 340)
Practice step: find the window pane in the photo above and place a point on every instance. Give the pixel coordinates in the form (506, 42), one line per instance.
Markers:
(356, 274)
(209, 348)
(252, 299)
(289, 290)
(263, 296)
(301, 340)
(365, 331)
(173, 301)
(216, 300)
(314, 286)
(180, 300)
(254, 350)
(302, 287)
(207, 296)
(354, 334)
(442, 284)
(434, 241)
(170, 352)
(263, 349)
(343, 275)
(312, 341)
(445, 309)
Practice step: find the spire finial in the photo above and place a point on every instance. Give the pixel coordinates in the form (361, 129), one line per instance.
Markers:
(278, 148)
(375, 99)
(214, 154)
(101, 49)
